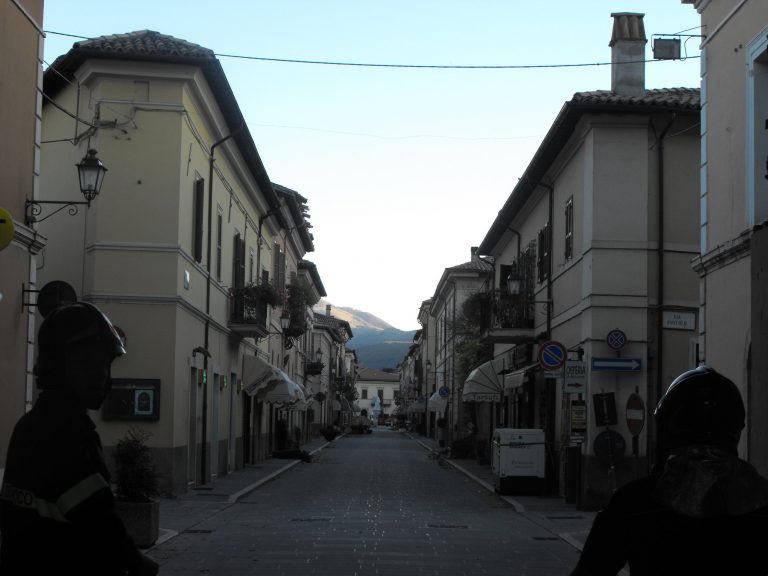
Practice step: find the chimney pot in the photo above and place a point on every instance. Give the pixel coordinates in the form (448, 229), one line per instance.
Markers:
(628, 54)
(327, 309)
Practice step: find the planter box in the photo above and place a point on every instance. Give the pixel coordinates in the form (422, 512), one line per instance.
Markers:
(141, 520)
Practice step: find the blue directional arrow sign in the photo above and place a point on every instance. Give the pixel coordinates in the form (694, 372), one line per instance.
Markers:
(616, 364)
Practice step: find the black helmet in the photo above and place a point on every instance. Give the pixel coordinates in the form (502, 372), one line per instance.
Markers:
(701, 407)
(69, 327)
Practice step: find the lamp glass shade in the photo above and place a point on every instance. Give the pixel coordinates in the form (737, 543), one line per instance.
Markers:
(513, 284)
(91, 173)
(285, 321)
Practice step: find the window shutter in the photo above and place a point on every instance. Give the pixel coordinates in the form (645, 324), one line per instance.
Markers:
(238, 262)
(197, 219)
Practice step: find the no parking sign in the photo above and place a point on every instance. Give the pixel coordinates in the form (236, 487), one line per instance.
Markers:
(552, 355)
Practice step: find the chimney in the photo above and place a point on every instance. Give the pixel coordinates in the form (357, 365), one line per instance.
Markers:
(474, 250)
(327, 309)
(628, 54)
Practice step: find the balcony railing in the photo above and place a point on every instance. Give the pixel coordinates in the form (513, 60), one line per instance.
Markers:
(248, 316)
(512, 313)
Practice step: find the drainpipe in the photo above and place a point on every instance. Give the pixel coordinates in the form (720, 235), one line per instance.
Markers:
(550, 216)
(206, 355)
(660, 256)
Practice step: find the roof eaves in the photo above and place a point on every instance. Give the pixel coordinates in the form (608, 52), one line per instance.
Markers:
(556, 138)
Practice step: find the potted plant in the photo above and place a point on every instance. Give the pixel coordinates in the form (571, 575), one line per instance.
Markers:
(136, 485)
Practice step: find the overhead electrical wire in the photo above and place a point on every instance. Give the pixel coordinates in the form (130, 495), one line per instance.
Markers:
(406, 66)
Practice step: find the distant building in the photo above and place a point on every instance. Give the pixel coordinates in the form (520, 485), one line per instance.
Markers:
(372, 384)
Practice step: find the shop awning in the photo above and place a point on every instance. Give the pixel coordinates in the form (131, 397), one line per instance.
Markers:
(436, 403)
(269, 384)
(257, 374)
(284, 391)
(484, 384)
(517, 378)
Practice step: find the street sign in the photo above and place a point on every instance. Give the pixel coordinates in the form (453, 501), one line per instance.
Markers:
(552, 355)
(616, 364)
(444, 391)
(635, 414)
(616, 339)
(574, 377)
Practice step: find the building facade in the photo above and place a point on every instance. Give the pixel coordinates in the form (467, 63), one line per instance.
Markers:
(190, 249)
(592, 269)
(21, 45)
(733, 332)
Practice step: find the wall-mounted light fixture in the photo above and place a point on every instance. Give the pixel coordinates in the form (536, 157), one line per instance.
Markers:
(90, 171)
(515, 286)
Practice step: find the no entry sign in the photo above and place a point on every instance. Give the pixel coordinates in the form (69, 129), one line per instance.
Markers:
(635, 414)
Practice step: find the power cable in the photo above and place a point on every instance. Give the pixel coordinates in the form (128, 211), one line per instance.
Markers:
(407, 66)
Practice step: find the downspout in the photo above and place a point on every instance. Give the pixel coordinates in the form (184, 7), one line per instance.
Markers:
(206, 354)
(550, 217)
(660, 256)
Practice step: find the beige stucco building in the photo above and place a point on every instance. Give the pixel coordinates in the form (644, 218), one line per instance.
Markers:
(186, 220)
(734, 205)
(21, 46)
(372, 384)
(599, 234)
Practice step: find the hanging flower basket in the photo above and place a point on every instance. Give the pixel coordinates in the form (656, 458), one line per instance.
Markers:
(259, 293)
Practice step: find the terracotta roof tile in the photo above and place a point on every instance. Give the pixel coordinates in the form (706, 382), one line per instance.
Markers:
(146, 43)
(687, 98)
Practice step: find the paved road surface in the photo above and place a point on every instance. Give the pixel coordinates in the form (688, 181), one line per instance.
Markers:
(368, 505)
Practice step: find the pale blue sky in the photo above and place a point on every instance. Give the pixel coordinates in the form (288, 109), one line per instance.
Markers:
(404, 169)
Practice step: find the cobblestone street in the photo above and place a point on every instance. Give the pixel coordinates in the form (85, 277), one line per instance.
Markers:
(372, 504)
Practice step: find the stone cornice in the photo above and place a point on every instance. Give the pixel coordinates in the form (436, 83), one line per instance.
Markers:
(724, 254)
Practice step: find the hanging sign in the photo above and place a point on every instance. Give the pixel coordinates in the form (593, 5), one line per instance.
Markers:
(574, 377)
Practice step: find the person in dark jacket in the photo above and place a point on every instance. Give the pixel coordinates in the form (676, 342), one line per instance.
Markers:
(57, 513)
(702, 510)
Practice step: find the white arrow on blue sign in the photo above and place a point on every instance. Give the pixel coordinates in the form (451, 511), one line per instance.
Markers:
(617, 364)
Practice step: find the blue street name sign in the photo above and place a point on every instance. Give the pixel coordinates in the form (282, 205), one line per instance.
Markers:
(616, 364)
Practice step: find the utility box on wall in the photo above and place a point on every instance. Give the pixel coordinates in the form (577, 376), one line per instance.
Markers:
(518, 460)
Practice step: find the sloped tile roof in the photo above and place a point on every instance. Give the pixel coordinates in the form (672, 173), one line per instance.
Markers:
(145, 42)
(476, 265)
(685, 102)
(151, 46)
(684, 98)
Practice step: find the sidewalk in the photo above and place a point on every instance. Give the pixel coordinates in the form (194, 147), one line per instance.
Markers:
(184, 513)
(550, 512)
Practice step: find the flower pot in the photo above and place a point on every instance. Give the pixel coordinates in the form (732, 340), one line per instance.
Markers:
(141, 520)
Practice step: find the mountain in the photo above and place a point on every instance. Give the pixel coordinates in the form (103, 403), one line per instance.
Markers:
(377, 344)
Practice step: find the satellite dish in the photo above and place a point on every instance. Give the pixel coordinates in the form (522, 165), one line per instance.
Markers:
(53, 295)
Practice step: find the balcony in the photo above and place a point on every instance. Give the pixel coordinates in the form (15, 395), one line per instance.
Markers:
(511, 319)
(248, 316)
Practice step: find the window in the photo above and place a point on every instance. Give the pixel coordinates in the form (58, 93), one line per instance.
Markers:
(757, 129)
(219, 232)
(278, 268)
(569, 229)
(250, 265)
(238, 261)
(364, 393)
(543, 261)
(198, 198)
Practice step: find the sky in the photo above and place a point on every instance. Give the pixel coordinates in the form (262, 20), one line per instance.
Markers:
(404, 168)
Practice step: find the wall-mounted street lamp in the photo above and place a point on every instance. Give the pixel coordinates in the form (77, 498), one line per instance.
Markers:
(515, 286)
(90, 172)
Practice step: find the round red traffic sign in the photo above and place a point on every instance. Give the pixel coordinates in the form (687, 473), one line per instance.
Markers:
(635, 414)
(552, 355)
